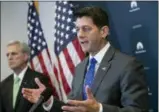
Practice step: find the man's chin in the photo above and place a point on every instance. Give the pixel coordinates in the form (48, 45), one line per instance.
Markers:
(12, 67)
(85, 50)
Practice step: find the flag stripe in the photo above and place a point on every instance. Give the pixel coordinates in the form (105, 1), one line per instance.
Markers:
(36, 64)
(49, 69)
(60, 87)
(64, 81)
(58, 75)
(69, 62)
(65, 68)
(79, 49)
(40, 57)
(74, 55)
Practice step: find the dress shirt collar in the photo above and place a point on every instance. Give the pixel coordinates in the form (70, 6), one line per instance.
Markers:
(99, 56)
(21, 74)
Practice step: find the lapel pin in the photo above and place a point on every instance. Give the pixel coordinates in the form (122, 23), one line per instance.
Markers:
(104, 68)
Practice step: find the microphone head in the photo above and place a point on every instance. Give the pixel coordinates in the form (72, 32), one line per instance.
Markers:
(46, 94)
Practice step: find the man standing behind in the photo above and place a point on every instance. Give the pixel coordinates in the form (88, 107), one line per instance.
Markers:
(10, 95)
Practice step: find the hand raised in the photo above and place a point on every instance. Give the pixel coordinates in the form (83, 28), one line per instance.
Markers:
(33, 95)
(89, 105)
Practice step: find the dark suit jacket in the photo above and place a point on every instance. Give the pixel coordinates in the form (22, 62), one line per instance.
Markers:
(22, 105)
(119, 84)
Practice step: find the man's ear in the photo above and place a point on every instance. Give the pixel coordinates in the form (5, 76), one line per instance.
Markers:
(26, 56)
(104, 31)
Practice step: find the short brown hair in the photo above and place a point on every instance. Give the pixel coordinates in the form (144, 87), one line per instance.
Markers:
(98, 15)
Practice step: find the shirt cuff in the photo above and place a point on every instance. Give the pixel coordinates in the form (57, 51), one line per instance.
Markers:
(47, 105)
(100, 108)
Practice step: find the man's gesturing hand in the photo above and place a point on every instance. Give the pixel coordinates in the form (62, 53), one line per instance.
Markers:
(33, 95)
(89, 105)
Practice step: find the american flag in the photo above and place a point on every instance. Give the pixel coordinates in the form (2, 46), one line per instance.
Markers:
(40, 58)
(66, 46)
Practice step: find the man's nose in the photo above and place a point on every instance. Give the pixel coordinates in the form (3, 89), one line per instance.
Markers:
(80, 34)
(9, 56)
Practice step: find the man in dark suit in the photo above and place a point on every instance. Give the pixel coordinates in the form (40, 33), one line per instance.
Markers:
(118, 83)
(11, 100)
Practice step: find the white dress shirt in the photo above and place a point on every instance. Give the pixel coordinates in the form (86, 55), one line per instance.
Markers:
(20, 75)
(99, 56)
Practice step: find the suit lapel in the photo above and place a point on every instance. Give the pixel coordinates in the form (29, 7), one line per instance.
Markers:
(24, 83)
(9, 93)
(80, 77)
(103, 69)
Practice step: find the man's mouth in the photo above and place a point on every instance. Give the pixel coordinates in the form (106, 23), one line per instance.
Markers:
(84, 42)
(11, 63)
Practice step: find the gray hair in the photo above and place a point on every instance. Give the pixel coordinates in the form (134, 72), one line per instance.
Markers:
(24, 47)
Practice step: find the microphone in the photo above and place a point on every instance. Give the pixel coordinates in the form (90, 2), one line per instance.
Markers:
(43, 97)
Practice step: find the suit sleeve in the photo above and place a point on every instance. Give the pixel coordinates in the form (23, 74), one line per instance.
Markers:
(134, 93)
(0, 99)
(2, 109)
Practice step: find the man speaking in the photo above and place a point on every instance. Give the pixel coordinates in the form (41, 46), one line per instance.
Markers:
(107, 80)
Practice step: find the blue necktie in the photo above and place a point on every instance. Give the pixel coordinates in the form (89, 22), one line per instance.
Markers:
(89, 77)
